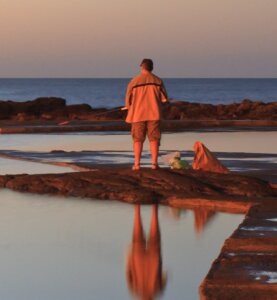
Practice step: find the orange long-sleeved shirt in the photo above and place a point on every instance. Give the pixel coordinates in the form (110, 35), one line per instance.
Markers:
(144, 95)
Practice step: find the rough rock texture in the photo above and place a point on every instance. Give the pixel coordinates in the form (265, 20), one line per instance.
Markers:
(247, 265)
(144, 186)
(44, 115)
(247, 109)
(62, 125)
(259, 165)
(44, 108)
(39, 108)
(52, 108)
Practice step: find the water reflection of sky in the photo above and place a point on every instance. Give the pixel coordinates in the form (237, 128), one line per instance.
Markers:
(249, 142)
(253, 152)
(11, 166)
(234, 161)
(57, 248)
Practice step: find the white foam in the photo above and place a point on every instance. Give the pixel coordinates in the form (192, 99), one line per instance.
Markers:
(249, 253)
(272, 220)
(272, 276)
(259, 228)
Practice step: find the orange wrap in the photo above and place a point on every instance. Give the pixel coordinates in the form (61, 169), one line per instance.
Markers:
(206, 161)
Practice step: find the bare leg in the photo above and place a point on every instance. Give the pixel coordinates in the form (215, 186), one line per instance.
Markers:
(154, 147)
(154, 234)
(137, 151)
(138, 235)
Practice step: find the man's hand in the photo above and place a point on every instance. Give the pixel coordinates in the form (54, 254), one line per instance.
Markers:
(166, 100)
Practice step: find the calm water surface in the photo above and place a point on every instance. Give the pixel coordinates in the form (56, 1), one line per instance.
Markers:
(111, 92)
(251, 142)
(56, 248)
(11, 166)
(115, 148)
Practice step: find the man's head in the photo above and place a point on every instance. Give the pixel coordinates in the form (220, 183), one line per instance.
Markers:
(147, 64)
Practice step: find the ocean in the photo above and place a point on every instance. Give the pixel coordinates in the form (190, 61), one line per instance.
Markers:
(110, 92)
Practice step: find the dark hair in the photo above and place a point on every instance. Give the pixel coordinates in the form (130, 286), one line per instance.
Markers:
(147, 64)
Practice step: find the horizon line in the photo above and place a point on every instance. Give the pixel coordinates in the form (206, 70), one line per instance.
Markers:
(120, 77)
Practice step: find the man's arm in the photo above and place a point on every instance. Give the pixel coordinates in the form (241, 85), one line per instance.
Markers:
(128, 98)
(164, 96)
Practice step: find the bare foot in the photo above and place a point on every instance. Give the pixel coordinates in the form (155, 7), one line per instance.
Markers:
(136, 167)
(155, 167)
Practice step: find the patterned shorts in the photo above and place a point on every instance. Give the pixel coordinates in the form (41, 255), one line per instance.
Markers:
(151, 128)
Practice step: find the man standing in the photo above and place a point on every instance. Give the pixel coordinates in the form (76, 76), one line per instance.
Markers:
(144, 96)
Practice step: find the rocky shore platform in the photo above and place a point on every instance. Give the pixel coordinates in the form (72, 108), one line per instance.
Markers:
(144, 186)
(259, 165)
(247, 265)
(50, 114)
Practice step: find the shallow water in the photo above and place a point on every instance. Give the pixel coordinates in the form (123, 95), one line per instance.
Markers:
(56, 248)
(250, 142)
(260, 148)
(11, 167)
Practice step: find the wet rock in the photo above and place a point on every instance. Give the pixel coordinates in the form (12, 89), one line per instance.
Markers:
(56, 108)
(78, 111)
(244, 107)
(144, 186)
(108, 114)
(45, 104)
(30, 109)
(47, 116)
(21, 117)
(57, 151)
(5, 110)
(247, 265)
(247, 109)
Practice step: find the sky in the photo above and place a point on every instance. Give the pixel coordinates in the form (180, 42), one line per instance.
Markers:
(109, 38)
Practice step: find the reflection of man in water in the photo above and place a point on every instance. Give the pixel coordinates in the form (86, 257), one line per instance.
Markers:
(202, 216)
(144, 267)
